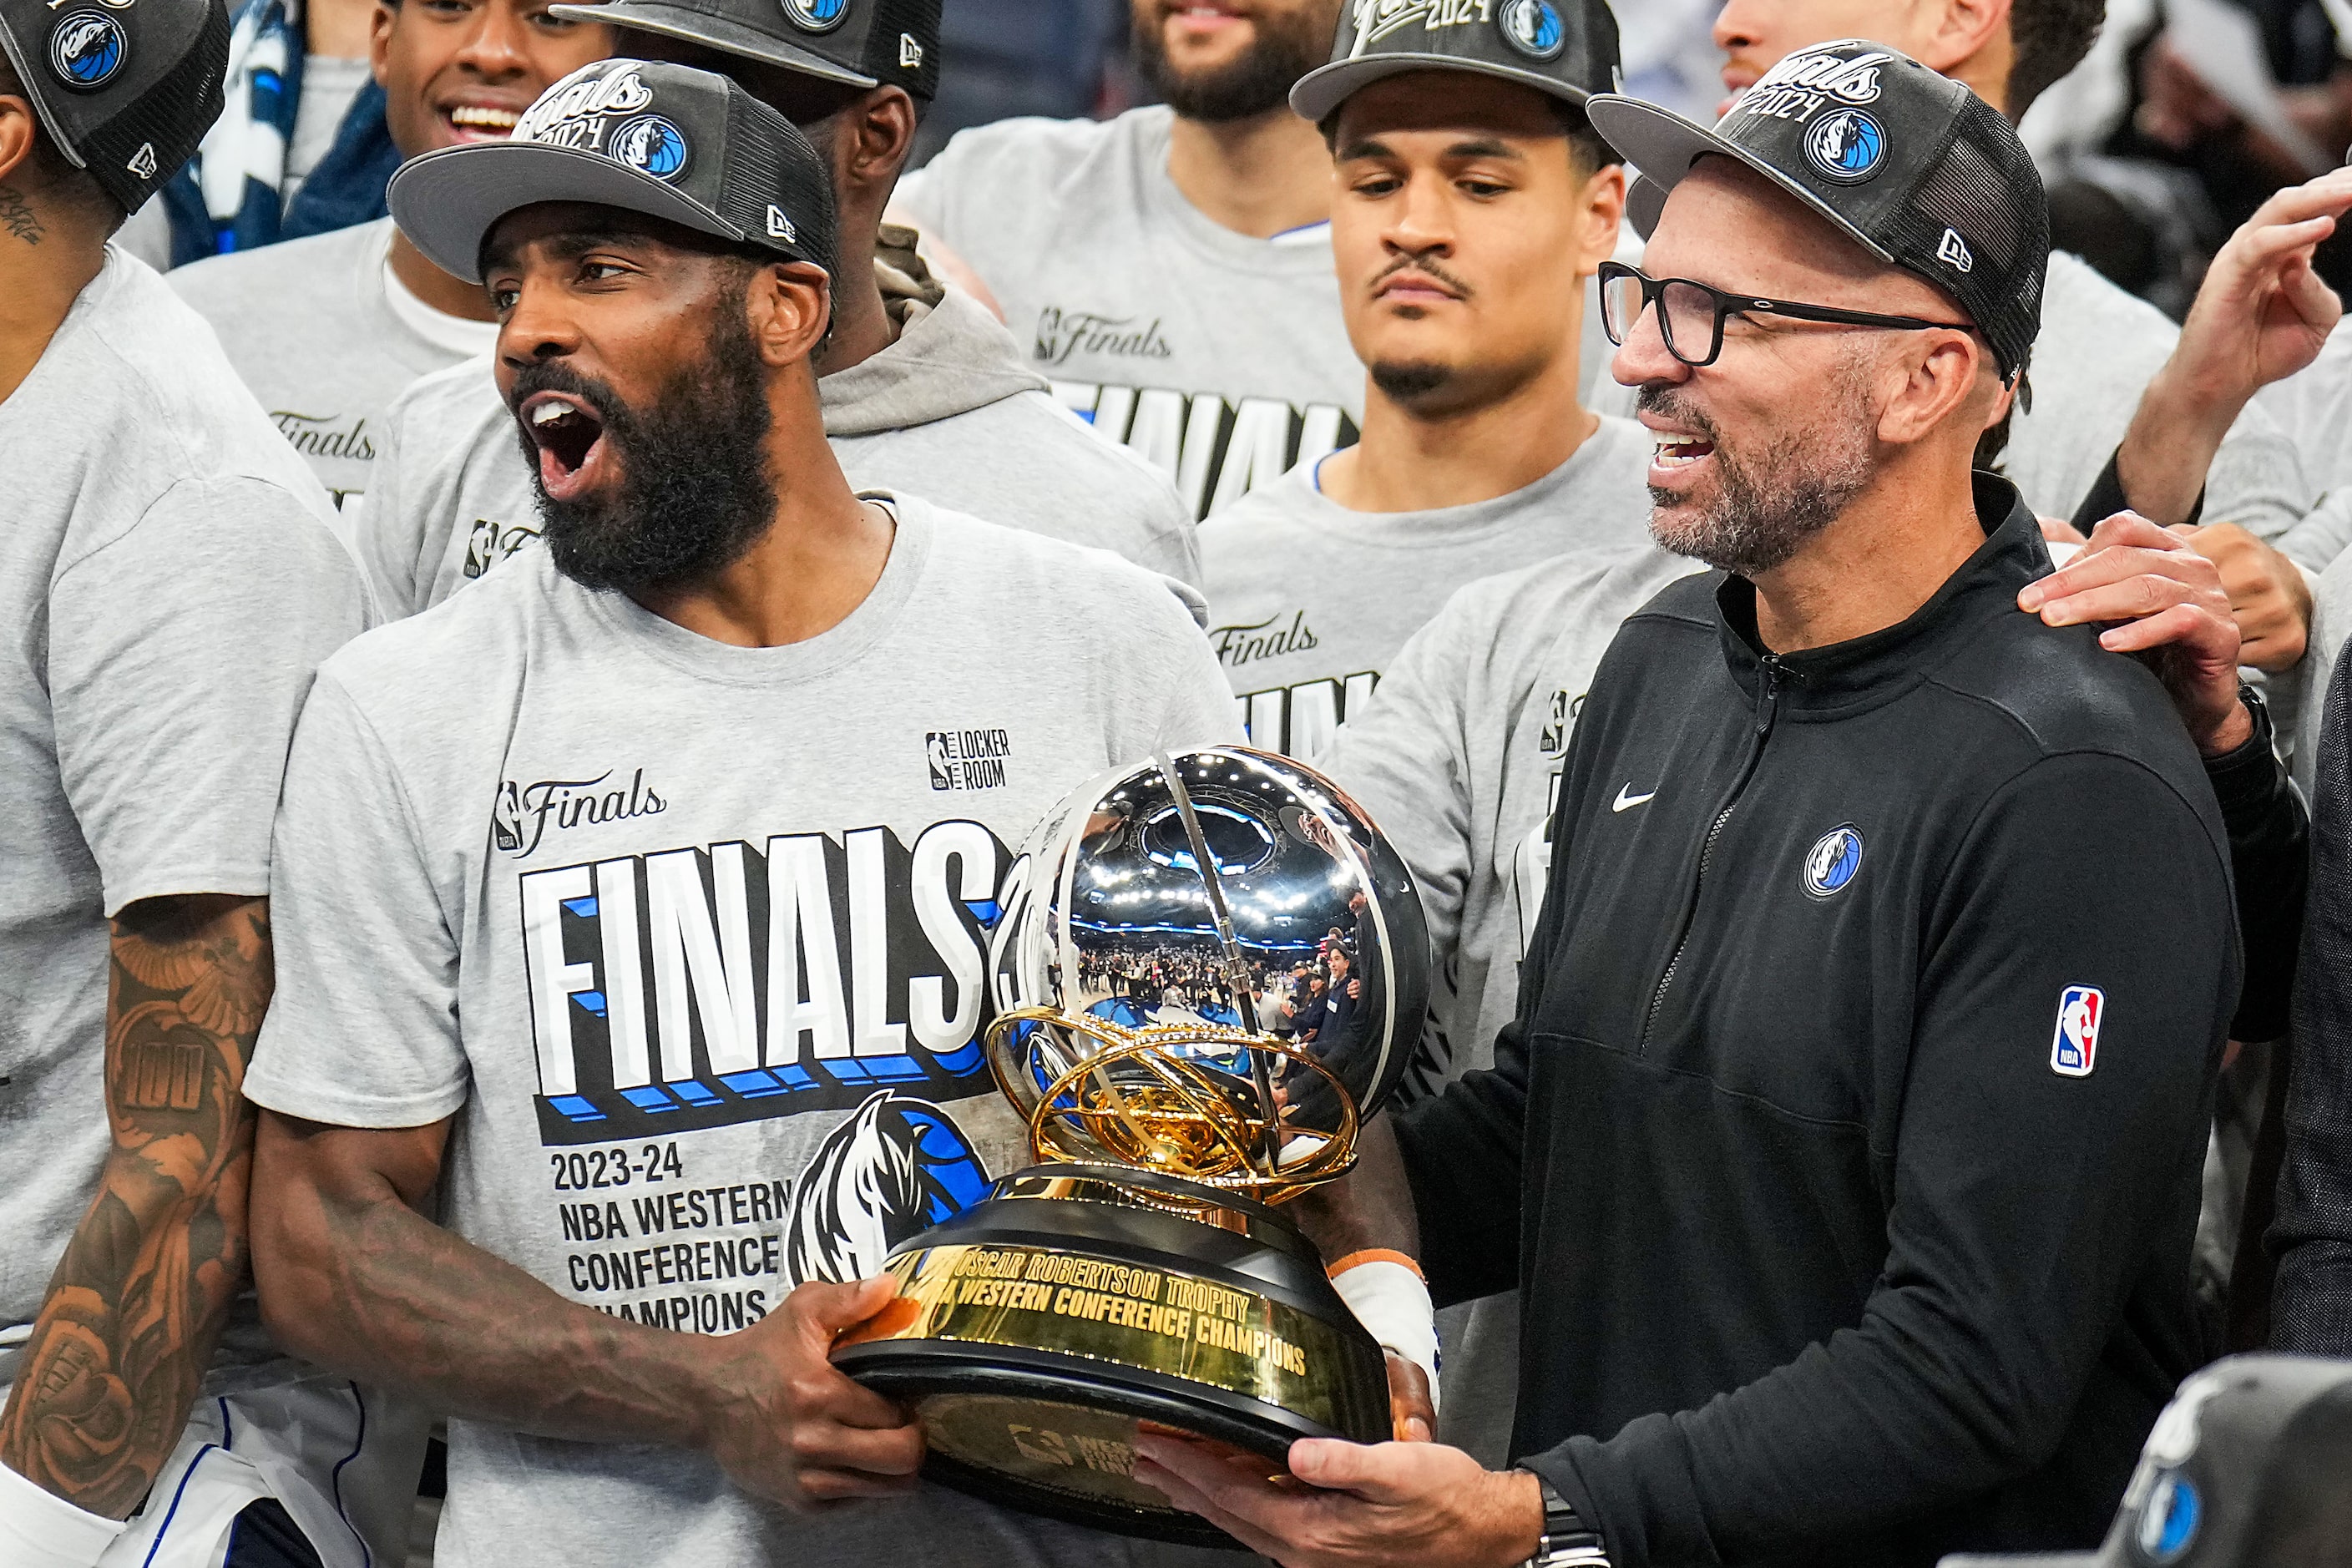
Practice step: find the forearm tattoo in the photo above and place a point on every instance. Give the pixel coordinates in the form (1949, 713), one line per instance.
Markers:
(137, 1302)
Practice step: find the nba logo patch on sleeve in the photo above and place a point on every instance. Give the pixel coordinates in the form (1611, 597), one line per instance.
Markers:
(2074, 1047)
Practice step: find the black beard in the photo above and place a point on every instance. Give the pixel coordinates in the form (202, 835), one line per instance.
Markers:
(694, 492)
(1765, 510)
(1286, 47)
(1410, 383)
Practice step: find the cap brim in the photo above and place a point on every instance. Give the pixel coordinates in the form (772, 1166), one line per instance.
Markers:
(695, 27)
(448, 201)
(1663, 146)
(1326, 88)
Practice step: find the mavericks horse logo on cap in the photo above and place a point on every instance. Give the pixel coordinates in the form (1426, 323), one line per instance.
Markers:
(88, 49)
(651, 145)
(1534, 28)
(816, 15)
(1846, 146)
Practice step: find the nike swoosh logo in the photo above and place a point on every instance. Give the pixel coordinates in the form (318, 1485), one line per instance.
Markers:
(1626, 801)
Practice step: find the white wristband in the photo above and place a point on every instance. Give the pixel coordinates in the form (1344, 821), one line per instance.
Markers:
(1393, 1303)
(39, 1529)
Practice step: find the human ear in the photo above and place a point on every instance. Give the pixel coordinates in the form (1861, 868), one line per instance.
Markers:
(1964, 29)
(1602, 215)
(1940, 375)
(790, 304)
(875, 138)
(18, 132)
(379, 27)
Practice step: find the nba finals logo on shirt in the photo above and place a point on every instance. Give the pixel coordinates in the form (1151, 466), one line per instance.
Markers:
(2074, 1047)
(579, 111)
(1800, 85)
(743, 981)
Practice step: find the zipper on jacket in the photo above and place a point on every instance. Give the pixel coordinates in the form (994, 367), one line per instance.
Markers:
(1768, 710)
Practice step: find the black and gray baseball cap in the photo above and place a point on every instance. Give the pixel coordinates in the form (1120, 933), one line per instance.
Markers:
(858, 43)
(127, 89)
(1921, 172)
(1565, 47)
(644, 136)
(2250, 1466)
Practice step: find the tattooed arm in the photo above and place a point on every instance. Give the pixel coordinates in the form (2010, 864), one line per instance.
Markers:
(137, 1302)
(355, 1277)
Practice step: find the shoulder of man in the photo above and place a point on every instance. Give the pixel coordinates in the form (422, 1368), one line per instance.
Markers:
(413, 676)
(151, 389)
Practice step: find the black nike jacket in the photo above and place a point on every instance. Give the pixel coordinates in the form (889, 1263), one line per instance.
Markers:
(1846, 1149)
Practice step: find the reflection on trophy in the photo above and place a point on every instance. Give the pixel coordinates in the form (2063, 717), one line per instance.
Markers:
(1209, 970)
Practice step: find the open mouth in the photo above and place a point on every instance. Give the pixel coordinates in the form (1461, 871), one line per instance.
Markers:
(570, 438)
(480, 122)
(1678, 454)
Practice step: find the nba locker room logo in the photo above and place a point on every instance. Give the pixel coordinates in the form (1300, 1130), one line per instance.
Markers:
(705, 986)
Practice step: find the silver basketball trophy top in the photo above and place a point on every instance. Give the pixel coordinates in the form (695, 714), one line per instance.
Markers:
(1211, 966)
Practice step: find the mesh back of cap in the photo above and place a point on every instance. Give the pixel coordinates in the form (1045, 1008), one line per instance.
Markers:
(1985, 189)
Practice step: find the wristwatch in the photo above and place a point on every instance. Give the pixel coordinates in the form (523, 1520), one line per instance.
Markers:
(1567, 1541)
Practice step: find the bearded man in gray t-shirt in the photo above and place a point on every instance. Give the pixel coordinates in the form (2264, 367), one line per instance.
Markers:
(1471, 201)
(1171, 269)
(636, 899)
(923, 389)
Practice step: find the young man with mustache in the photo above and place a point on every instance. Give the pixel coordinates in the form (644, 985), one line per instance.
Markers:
(661, 862)
(328, 329)
(922, 388)
(171, 576)
(1171, 270)
(1845, 1146)
(1471, 203)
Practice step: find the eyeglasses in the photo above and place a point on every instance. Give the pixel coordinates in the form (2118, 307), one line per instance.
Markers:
(1691, 315)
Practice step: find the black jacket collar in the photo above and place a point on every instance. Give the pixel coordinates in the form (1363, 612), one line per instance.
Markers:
(1850, 677)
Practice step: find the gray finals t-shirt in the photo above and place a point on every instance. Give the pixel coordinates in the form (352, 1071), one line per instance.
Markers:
(169, 580)
(308, 327)
(948, 412)
(690, 939)
(1309, 601)
(1221, 358)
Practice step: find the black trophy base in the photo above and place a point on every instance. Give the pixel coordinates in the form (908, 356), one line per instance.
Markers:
(1035, 1330)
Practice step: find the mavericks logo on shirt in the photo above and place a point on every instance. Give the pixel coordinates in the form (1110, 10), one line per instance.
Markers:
(705, 986)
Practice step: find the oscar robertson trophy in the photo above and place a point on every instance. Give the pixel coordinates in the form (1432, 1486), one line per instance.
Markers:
(1210, 969)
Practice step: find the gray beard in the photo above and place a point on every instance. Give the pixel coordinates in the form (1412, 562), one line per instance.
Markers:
(1768, 508)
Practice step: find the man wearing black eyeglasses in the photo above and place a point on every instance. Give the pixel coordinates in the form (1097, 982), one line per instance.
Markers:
(1846, 1148)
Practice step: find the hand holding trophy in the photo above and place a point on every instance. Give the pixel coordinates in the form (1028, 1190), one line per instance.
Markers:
(1209, 970)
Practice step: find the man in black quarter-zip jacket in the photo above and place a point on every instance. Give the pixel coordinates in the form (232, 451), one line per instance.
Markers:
(1845, 1151)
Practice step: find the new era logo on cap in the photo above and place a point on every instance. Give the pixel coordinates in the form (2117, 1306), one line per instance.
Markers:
(855, 43)
(143, 162)
(779, 226)
(1953, 252)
